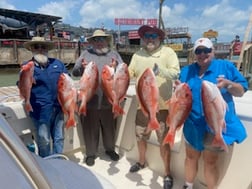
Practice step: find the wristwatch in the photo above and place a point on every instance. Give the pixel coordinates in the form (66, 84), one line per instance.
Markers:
(229, 86)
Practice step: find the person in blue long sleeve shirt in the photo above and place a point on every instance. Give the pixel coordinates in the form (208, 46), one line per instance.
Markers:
(196, 132)
(47, 115)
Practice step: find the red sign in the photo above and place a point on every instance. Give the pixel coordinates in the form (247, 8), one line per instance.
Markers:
(237, 48)
(133, 35)
(135, 21)
(152, 22)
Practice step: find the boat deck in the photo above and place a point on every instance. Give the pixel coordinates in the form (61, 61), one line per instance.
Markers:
(151, 177)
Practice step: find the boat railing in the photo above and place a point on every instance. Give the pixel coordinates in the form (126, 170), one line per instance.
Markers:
(12, 51)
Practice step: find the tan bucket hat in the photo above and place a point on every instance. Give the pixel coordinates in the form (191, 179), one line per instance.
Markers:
(39, 41)
(100, 33)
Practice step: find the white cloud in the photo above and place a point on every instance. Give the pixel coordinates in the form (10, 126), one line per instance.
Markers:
(5, 4)
(228, 17)
(95, 12)
(61, 8)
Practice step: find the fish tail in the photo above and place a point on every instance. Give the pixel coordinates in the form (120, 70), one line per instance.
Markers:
(153, 124)
(28, 107)
(219, 142)
(70, 123)
(83, 110)
(83, 107)
(71, 120)
(117, 109)
(169, 138)
(147, 131)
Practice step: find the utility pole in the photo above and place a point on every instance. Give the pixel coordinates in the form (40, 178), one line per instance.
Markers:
(246, 36)
(161, 23)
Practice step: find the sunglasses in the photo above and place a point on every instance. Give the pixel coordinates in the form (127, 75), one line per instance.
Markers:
(204, 50)
(150, 35)
(99, 39)
(43, 47)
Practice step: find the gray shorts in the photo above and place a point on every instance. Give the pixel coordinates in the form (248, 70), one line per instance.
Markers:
(142, 122)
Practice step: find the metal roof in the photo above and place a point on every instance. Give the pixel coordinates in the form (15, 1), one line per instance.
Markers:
(32, 19)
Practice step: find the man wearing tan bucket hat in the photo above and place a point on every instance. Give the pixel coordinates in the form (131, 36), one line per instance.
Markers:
(99, 110)
(47, 114)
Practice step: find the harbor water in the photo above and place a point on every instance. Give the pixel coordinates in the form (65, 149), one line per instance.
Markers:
(9, 76)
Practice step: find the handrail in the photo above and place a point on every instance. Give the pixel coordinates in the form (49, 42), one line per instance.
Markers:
(22, 156)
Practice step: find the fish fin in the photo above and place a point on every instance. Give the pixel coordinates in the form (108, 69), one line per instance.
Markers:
(219, 142)
(168, 103)
(83, 105)
(76, 108)
(224, 128)
(33, 81)
(83, 108)
(78, 95)
(169, 138)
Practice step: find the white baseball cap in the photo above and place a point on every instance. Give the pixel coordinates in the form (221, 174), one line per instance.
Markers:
(205, 42)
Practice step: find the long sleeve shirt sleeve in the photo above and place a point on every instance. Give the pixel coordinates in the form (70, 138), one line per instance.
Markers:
(168, 65)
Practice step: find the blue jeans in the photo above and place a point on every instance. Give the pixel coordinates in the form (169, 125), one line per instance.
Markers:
(55, 130)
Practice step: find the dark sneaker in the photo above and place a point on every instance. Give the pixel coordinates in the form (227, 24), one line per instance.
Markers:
(90, 160)
(168, 182)
(185, 187)
(113, 155)
(136, 167)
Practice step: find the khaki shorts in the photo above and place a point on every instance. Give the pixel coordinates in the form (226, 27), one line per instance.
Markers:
(142, 122)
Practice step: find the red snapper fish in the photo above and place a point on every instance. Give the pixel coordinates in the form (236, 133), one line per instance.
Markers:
(89, 83)
(120, 86)
(26, 80)
(148, 93)
(67, 97)
(114, 84)
(179, 105)
(107, 80)
(214, 107)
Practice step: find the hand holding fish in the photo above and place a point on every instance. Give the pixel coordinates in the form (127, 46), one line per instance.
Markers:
(155, 69)
(113, 63)
(223, 83)
(84, 63)
(235, 89)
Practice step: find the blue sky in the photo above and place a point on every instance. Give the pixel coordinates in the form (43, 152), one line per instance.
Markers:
(227, 17)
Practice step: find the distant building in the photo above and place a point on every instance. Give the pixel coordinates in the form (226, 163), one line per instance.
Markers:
(24, 25)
